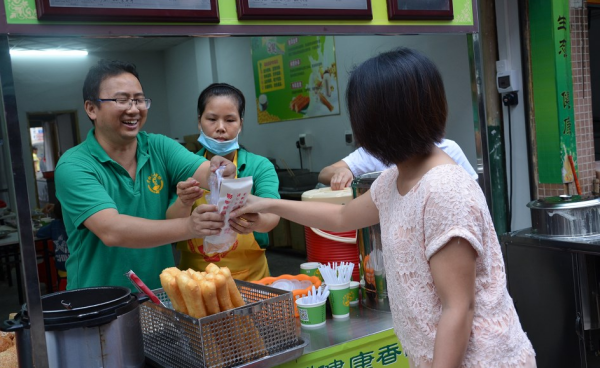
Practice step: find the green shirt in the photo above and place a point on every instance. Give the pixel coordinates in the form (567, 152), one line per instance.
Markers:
(264, 179)
(88, 181)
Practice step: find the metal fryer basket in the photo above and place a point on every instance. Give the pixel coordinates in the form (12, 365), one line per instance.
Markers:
(265, 326)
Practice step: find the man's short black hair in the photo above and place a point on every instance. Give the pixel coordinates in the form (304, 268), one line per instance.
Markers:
(99, 72)
(397, 105)
(221, 89)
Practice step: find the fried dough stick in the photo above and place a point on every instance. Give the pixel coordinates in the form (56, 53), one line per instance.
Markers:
(192, 295)
(234, 293)
(209, 294)
(169, 284)
(223, 295)
(212, 268)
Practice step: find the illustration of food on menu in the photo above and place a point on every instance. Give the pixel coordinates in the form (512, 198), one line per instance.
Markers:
(295, 77)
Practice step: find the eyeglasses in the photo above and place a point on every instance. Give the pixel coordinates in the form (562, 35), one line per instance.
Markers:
(126, 103)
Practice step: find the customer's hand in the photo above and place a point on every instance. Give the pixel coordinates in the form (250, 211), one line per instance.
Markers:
(253, 206)
(245, 224)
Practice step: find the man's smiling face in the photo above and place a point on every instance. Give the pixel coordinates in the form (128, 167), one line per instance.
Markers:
(114, 124)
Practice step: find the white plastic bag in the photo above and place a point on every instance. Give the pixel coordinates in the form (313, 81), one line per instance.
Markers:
(227, 195)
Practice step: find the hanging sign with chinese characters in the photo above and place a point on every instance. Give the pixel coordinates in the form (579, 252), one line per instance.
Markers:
(553, 92)
(295, 77)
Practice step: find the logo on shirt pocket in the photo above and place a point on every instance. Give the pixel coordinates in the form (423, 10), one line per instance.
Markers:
(155, 183)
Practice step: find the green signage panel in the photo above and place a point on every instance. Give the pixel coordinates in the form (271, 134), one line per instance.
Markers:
(553, 91)
(374, 351)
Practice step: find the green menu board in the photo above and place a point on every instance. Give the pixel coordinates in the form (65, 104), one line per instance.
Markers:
(295, 77)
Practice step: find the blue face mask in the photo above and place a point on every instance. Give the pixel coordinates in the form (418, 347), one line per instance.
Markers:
(217, 147)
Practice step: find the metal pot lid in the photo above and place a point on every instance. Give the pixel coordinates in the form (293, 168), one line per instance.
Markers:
(565, 202)
(86, 306)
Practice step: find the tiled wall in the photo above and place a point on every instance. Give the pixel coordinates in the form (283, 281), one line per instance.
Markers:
(582, 99)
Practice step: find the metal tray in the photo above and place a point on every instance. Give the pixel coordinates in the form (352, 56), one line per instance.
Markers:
(265, 362)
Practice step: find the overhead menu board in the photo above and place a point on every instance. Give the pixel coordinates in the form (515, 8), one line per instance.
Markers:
(304, 9)
(420, 9)
(295, 77)
(129, 10)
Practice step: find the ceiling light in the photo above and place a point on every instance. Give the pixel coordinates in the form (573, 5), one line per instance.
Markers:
(49, 53)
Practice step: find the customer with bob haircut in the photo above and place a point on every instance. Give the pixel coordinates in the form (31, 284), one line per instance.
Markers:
(445, 270)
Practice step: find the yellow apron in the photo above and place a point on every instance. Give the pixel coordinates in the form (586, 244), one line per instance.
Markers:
(246, 259)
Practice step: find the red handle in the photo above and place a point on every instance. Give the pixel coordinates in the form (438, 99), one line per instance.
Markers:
(574, 174)
(139, 284)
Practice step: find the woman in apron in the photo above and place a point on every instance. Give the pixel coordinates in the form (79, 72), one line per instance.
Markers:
(220, 119)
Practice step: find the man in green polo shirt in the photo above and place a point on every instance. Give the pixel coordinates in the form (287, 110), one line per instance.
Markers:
(115, 187)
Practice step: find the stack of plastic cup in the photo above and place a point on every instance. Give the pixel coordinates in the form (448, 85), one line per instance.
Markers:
(354, 292)
(311, 269)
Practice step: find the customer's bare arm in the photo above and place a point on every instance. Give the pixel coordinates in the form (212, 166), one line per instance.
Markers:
(337, 175)
(453, 271)
(358, 213)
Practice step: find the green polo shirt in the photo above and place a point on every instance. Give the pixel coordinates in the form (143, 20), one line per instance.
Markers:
(88, 181)
(265, 183)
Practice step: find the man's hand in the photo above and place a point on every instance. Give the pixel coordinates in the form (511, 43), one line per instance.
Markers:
(342, 178)
(205, 221)
(218, 161)
(48, 208)
(337, 175)
(189, 191)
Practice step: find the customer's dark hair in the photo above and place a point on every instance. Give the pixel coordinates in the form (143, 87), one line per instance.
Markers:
(397, 105)
(221, 89)
(99, 72)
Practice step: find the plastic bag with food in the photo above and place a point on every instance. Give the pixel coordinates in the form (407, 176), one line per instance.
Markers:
(227, 195)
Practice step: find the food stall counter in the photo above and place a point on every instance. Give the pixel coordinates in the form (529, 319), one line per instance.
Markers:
(365, 339)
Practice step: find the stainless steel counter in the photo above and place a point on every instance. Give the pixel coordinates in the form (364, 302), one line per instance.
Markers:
(580, 244)
(362, 322)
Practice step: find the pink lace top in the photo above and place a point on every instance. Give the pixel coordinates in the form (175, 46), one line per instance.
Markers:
(446, 203)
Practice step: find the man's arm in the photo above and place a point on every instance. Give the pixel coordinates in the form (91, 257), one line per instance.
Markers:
(337, 175)
(116, 230)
